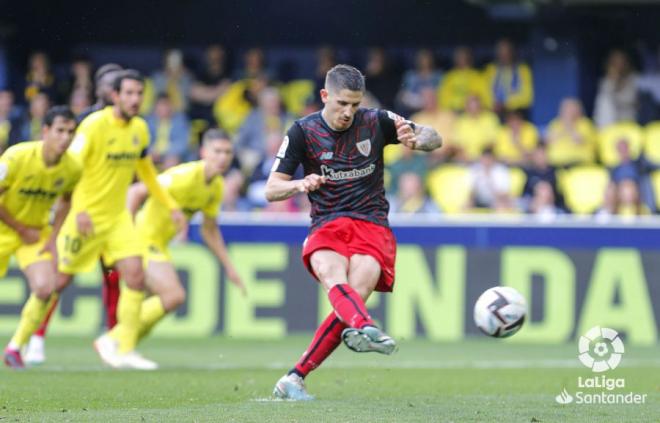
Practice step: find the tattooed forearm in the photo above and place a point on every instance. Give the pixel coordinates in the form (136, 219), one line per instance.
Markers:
(428, 138)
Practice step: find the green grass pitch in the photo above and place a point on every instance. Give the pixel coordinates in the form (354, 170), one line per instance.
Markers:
(227, 380)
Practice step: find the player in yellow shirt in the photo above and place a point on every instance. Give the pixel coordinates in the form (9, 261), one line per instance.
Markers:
(33, 175)
(111, 145)
(195, 186)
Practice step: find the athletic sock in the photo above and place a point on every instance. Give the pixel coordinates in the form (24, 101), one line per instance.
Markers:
(50, 308)
(349, 306)
(110, 294)
(32, 316)
(151, 312)
(128, 316)
(326, 339)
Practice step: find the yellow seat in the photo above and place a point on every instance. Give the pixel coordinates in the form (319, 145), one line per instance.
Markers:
(449, 186)
(517, 178)
(295, 95)
(609, 136)
(652, 142)
(584, 188)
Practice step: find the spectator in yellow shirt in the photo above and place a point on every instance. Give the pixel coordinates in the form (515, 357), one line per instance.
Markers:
(571, 136)
(474, 130)
(509, 81)
(516, 140)
(461, 81)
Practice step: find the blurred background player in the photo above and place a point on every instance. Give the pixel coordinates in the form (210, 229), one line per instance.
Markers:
(350, 249)
(35, 350)
(195, 186)
(111, 145)
(33, 175)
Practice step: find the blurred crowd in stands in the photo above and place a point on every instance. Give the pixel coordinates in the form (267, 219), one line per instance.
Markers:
(493, 159)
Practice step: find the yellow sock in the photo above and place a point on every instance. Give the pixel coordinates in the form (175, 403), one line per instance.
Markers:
(32, 315)
(150, 314)
(128, 317)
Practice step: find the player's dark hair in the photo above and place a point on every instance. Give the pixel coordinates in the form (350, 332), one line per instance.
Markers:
(58, 111)
(131, 74)
(106, 69)
(215, 134)
(345, 77)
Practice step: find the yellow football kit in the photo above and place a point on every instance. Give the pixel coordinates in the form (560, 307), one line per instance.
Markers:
(109, 150)
(187, 185)
(31, 188)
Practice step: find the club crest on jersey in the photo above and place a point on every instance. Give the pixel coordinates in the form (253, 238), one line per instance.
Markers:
(136, 140)
(364, 147)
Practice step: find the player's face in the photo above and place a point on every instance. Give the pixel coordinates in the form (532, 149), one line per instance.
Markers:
(218, 154)
(340, 107)
(129, 97)
(59, 135)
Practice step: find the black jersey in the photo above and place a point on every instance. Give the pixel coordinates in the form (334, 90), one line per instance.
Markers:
(351, 160)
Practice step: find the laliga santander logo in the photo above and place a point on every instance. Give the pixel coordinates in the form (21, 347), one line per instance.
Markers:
(600, 349)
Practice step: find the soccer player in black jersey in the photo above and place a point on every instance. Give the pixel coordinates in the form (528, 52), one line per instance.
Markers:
(350, 248)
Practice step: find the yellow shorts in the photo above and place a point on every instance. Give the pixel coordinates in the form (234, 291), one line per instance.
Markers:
(154, 250)
(114, 241)
(11, 243)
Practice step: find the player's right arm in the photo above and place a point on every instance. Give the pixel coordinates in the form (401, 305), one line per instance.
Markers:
(280, 184)
(81, 150)
(9, 163)
(29, 235)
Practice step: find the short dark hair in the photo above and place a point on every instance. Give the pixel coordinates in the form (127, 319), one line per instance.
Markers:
(343, 77)
(131, 74)
(215, 134)
(58, 111)
(106, 69)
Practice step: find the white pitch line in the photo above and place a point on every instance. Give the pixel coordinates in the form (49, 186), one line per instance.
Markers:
(476, 364)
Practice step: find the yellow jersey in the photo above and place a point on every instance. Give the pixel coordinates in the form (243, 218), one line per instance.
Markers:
(187, 185)
(507, 150)
(108, 150)
(30, 186)
(474, 133)
(457, 85)
(564, 150)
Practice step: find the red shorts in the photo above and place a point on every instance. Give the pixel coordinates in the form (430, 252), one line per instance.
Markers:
(348, 236)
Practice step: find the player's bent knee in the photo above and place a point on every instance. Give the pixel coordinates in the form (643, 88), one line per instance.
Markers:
(173, 299)
(43, 287)
(134, 277)
(329, 271)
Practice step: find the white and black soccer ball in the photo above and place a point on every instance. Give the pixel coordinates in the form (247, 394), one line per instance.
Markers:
(500, 311)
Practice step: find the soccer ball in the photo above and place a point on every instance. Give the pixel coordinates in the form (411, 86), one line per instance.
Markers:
(500, 311)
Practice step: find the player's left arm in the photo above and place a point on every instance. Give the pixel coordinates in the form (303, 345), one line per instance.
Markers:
(147, 173)
(412, 135)
(216, 243)
(416, 136)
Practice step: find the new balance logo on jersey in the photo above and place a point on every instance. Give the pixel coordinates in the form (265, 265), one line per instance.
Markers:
(338, 175)
(364, 147)
(326, 155)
